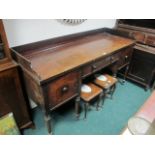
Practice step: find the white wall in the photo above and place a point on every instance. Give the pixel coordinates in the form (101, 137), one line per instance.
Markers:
(22, 31)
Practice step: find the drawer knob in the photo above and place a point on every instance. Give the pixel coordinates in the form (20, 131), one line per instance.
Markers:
(64, 89)
(94, 66)
(126, 57)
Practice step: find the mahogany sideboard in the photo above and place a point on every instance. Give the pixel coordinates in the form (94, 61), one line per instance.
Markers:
(54, 68)
(12, 97)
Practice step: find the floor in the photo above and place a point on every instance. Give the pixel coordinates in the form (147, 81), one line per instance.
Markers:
(110, 120)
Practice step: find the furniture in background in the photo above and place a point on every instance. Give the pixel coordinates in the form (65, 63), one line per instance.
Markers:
(108, 84)
(147, 112)
(54, 69)
(12, 98)
(153, 87)
(87, 97)
(142, 63)
(8, 125)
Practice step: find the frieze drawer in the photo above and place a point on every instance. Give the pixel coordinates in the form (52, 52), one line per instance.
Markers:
(99, 64)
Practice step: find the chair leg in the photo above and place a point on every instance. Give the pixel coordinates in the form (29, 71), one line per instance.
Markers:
(86, 105)
(99, 102)
(112, 90)
(103, 98)
(77, 102)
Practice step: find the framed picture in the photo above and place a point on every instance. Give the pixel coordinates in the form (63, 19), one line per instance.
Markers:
(8, 125)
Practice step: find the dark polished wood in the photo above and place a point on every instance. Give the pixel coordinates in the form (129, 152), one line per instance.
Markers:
(106, 84)
(54, 68)
(12, 98)
(87, 97)
(142, 66)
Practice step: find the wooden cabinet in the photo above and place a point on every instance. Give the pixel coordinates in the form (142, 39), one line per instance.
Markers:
(142, 66)
(12, 98)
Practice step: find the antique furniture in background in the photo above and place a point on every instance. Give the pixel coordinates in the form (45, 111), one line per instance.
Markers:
(142, 65)
(54, 69)
(12, 98)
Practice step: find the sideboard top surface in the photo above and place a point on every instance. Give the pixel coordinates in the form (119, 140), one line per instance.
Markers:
(52, 60)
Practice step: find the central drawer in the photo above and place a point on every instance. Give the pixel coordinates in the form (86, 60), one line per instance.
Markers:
(115, 57)
(62, 89)
(99, 64)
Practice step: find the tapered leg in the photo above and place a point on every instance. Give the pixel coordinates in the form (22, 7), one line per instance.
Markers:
(112, 90)
(85, 110)
(86, 106)
(103, 98)
(99, 102)
(47, 119)
(77, 103)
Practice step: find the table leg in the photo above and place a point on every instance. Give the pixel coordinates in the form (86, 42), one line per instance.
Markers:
(47, 119)
(126, 73)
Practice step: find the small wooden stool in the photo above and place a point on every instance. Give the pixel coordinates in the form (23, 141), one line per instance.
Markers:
(108, 86)
(87, 97)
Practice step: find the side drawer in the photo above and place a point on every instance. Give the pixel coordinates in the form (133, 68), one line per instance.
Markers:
(99, 64)
(62, 89)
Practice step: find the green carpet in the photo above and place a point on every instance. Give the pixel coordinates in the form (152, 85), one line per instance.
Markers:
(109, 120)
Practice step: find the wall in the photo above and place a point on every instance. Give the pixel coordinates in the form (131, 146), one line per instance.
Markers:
(22, 31)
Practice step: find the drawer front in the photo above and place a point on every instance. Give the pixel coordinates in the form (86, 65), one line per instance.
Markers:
(138, 36)
(62, 89)
(115, 57)
(86, 70)
(150, 40)
(99, 64)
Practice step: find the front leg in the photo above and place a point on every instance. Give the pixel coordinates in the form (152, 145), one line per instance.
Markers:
(47, 119)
